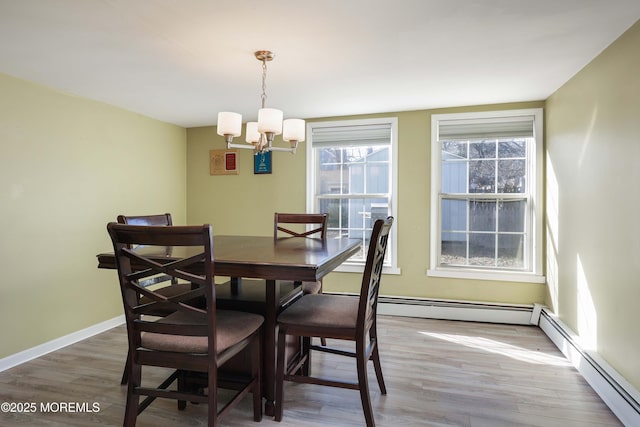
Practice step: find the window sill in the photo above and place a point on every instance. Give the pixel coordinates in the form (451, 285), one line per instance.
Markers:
(355, 268)
(477, 274)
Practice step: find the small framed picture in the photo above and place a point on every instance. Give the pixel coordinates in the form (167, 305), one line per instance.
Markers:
(262, 163)
(223, 162)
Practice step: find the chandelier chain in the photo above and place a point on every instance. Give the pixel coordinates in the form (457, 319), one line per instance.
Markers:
(264, 82)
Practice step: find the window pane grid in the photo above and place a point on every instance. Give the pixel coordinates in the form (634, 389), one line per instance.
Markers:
(353, 184)
(353, 217)
(488, 238)
(494, 166)
(470, 249)
(484, 203)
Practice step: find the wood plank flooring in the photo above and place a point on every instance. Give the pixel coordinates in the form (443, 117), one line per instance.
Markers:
(438, 373)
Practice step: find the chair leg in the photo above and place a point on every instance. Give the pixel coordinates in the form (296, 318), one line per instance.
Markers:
(282, 337)
(375, 357)
(182, 386)
(305, 350)
(323, 340)
(363, 382)
(134, 374)
(256, 360)
(212, 393)
(125, 373)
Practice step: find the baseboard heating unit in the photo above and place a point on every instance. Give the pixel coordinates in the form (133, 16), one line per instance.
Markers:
(620, 396)
(515, 314)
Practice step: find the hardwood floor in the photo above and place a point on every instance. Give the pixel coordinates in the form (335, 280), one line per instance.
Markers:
(438, 373)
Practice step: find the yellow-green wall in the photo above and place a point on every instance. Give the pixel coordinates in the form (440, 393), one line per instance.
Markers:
(68, 166)
(593, 204)
(244, 204)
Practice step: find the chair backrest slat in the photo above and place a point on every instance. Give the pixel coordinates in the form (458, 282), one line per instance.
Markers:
(151, 220)
(134, 266)
(296, 218)
(370, 288)
(158, 219)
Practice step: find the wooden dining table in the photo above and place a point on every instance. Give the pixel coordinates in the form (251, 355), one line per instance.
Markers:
(262, 257)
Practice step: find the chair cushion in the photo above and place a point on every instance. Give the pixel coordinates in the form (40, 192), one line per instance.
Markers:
(233, 327)
(322, 311)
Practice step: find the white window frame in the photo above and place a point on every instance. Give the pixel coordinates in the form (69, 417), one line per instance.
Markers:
(312, 204)
(534, 273)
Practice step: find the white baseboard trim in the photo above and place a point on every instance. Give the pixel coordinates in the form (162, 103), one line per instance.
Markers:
(516, 314)
(621, 397)
(58, 343)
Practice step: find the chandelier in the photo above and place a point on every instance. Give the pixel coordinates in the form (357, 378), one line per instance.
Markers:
(260, 134)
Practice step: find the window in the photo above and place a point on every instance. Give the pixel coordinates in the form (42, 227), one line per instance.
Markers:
(351, 175)
(486, 216)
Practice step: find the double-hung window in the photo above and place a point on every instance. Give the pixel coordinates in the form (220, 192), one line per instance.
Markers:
(352, 176)
(486, 216)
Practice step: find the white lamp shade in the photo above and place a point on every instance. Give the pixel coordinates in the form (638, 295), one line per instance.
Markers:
(253, 135)
(270, 120)
(293, 130)
(229, 124)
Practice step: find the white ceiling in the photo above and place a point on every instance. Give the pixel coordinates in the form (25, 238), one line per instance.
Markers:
(183, 61)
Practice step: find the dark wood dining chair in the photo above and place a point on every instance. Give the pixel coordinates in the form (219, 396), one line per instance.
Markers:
(286, 223)
(296, 225)
(339, 317)
(194, 342)
(170, 288)
(251, 294)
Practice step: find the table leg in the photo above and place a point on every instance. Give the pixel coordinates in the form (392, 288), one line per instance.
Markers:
(270, 337)
(235, 285)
